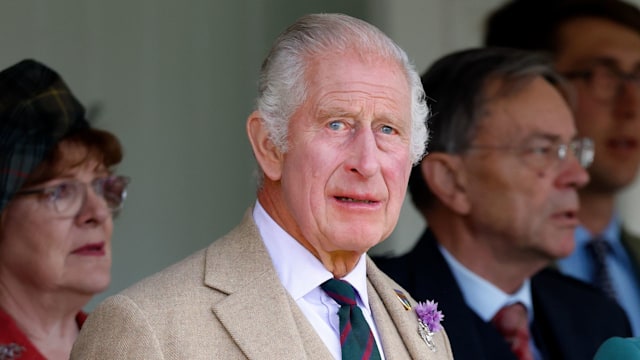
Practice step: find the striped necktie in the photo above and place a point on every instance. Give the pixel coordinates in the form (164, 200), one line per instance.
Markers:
(356, 338)
(513, 323)
(599, 248)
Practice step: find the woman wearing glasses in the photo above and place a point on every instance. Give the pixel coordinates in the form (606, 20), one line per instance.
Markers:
(58, 196)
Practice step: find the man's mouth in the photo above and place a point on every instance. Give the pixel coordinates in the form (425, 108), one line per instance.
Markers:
(352, 200)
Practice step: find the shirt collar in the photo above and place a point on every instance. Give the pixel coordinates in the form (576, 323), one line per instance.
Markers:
(611, 233)
(484, 298)
(298, 270)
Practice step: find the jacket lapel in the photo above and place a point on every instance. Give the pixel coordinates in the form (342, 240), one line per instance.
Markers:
(398, 327)
(470, 336)
(258, 308)
(392, 344)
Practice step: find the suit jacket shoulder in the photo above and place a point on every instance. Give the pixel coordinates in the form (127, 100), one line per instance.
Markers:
(560, 302)
(223, 302)
(227, 302)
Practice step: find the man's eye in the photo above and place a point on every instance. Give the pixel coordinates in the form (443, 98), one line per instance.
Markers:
(336, 125)
(386, 129)
(540, 150)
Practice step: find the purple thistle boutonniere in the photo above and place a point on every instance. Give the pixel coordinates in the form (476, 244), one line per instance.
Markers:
(429, 318)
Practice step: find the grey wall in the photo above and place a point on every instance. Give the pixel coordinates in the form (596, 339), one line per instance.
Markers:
(176, 81)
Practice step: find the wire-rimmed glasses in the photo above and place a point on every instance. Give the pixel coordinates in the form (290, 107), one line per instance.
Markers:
(546, 156)
(67, 197)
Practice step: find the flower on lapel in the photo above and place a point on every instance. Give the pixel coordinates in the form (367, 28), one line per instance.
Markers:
(429, 314)
(429, 318)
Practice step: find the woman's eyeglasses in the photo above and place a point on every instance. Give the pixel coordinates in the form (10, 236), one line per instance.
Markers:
(67, 197)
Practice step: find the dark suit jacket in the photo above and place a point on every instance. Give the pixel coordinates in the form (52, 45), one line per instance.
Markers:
(632, 244)
(571, 318)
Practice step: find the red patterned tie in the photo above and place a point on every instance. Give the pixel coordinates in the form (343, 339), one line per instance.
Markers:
(512, 322)
(356, 338)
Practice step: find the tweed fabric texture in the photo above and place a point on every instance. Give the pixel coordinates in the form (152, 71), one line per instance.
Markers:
(226, 302)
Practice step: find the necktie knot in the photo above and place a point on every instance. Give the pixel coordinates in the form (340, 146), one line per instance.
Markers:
(340, 291)
(599, 247)
(356, 339)
(512, 322)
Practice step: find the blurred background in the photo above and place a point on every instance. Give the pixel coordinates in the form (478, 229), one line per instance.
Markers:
(176, 80)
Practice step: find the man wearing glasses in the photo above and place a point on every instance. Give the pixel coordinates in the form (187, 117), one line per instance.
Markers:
(596, 45)
(498, 189)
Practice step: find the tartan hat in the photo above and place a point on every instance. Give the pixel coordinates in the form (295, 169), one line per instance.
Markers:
(37, 110)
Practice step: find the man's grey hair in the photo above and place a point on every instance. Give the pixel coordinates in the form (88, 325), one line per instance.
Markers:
(460, 85)
(457, 86)
(282, 87)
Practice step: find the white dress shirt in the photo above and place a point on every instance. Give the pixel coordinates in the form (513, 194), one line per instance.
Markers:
(484, 298)
(301, 274)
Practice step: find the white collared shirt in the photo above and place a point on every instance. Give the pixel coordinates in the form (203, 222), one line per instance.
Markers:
(301, 274)
(484, 298)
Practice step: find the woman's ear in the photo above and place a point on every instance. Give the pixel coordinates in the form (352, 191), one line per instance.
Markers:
(446, 177)
(266, 152)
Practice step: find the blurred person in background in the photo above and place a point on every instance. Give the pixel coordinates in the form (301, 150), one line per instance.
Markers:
(58, 196)
(498, 189)
(596, 45)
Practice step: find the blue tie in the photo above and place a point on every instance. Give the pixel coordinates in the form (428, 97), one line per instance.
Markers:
(356, 338)
(598, 247)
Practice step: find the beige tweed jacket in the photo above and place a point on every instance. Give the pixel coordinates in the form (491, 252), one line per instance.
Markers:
(226, 302)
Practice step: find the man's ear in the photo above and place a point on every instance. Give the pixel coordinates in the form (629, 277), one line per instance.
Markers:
(267, 154)
(447, 180)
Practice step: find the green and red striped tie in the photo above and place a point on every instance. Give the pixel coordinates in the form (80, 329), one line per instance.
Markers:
(356, 338)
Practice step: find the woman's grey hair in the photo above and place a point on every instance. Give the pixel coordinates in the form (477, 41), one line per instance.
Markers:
(457, 87)
(282, 87)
